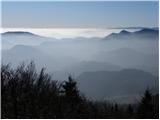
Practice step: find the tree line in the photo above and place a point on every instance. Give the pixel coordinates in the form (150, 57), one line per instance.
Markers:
(28, 93)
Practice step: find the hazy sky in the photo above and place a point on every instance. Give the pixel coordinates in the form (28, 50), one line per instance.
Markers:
(104, 14)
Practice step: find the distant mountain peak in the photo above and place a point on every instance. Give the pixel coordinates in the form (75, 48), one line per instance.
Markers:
(146, 33)
(124, 32)
(147, 30)
(17, 33)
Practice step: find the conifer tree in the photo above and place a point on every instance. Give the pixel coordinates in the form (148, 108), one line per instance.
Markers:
(145, 109)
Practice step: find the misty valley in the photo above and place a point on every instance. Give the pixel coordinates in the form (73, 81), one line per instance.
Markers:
(116, 68)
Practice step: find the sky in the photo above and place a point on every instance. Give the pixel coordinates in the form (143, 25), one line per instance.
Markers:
(104, 14)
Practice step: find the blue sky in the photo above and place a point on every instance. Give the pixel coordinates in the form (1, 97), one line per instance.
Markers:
(104, 14)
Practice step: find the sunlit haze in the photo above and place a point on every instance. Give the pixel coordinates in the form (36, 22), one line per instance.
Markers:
(68, 32)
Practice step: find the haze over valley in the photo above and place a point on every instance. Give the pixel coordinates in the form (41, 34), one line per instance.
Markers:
(129, 58)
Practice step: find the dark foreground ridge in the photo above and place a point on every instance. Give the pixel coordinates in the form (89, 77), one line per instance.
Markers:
(27, 93)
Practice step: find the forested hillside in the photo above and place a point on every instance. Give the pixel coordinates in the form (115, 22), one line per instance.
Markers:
(27, 93)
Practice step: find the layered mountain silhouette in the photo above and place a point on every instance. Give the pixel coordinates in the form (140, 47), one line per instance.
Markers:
(145, 33)
(10, 39)
(130, 58)
(125, 56)
(103, 84)
(23, 53)
(93, 66)
(78, 68)
(111, 66)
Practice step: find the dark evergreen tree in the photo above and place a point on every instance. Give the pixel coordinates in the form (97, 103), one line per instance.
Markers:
(129, 111)
(74, 103)
(145, 108)
(70, 90)
(116, 107)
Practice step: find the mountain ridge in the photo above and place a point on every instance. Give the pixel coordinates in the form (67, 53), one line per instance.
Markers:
(127, 81)
(124, 34)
